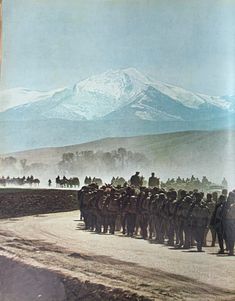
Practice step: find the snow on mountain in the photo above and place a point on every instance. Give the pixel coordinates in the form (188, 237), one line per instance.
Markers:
(100, 95)
(114, 83)
(56, 104)
(116, 94)
(190, 99)
(18, 96)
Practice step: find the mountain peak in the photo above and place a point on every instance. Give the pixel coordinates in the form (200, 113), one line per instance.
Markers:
(134, 73)
(114, 83)
(116, 91)
(130, 72)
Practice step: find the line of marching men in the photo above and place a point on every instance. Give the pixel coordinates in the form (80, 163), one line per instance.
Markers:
(177, 218)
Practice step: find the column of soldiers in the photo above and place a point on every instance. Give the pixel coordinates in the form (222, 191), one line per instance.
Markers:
(178, 218)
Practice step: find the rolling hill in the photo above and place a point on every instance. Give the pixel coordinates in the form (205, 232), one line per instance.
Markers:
(183, 153)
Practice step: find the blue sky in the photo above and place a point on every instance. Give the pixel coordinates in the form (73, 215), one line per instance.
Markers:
(55, 43)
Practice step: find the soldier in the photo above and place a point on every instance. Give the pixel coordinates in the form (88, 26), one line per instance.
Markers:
(153, 213)
(49, 182)
(185, 210)
(211, 205)
(199, 220)
(159, 221)
(225, 192)
(163, 217)
(131, 215)
(217, 222)
(171, 206)
(84, 195)
(86, 180)
(124, 203)
(57, 180)
(136, 180)
(100, 202)
(211, 227)
(178, 218)
(229, 222)
(153, 181)
(143, 204)
(112, 210)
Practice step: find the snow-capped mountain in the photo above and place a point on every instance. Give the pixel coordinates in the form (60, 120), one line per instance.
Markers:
(116, 95)
(18, 96)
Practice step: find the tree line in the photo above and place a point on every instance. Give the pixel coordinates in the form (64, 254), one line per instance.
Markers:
(93, 161)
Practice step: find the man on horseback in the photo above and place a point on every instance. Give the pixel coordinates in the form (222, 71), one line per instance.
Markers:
(153, 181)
(136, 180)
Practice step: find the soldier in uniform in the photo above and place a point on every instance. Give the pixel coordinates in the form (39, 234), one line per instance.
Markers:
(199, 219)
(176, 218)
(153, 213)
(136, 180)
(217, 222)
(153, 181)
(131, 215)
(225, 192)
(185, 220)
(143, 206)
(171, 205)
(211, 205)
(164, 218)
(229, 222)
(57, 180)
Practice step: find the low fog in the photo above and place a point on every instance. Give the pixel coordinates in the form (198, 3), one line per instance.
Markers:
(169, 156)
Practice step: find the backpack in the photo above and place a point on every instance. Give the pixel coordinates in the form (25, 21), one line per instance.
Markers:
(145, 203)
(204, 212)
(132, 205)
(219, 212)
(231, 212)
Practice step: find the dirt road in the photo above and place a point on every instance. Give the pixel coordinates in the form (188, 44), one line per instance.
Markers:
(157, 272)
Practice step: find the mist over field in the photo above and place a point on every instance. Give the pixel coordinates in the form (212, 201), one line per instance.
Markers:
(198, 153)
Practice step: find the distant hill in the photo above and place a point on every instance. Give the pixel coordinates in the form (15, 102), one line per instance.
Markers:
(185, 153)
(23, 135)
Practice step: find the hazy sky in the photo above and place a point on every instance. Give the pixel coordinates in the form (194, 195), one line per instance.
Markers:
(54, 43)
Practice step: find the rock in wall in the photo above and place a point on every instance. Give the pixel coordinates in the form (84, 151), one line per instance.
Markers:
(21, 202)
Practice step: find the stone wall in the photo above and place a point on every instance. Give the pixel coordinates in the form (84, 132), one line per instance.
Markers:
(21, 202)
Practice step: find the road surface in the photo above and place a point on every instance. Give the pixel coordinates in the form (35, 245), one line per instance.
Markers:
(157, 272)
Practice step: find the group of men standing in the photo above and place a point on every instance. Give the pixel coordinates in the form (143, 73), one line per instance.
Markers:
(137, 180)
(178, 218)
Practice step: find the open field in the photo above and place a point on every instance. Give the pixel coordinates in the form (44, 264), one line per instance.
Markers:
(108, 264)
(209, 153)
